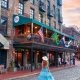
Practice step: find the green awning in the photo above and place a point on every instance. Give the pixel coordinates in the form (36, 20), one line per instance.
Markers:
(20, 20)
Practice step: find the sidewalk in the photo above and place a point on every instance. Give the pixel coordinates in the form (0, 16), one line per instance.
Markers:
(13, 75)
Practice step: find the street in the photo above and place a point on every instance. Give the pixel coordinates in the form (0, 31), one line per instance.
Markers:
(65, 74)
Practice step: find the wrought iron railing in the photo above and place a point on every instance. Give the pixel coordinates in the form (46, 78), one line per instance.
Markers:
(32, 37)
(36, 38)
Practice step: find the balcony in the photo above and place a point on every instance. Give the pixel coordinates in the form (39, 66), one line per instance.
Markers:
(50, 13)
(42, 6)
(32, 38)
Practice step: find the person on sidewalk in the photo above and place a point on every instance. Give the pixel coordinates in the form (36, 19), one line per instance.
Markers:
(45, 74)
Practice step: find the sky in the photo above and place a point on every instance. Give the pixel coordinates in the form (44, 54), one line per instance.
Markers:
(71, 12)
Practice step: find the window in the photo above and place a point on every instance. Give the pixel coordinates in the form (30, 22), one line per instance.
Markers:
(4, 3)
(21, 8)
(59, 26)
(21, 30)
(42, 0)
(3, 25)
(32, 13)
(40, 18)
(54, 24)
(47, 22)
(54, 11)
(32, 1)
(48, 6)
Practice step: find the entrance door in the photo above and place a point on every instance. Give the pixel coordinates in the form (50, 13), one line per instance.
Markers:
(18, 59)
(3, 57)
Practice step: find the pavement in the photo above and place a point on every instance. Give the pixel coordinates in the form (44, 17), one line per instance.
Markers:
(60, 73)
(26, 73)
(72, 73)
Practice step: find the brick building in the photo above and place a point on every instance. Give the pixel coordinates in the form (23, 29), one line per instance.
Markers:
(73, 32)
(21, 21)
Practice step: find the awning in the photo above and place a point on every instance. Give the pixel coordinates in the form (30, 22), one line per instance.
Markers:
(4, 42)
(1, 45)
(20, 20)
(42, 47)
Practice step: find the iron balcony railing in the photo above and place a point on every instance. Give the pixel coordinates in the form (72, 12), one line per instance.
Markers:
(36, 38)
(42, 6)
(32, 38)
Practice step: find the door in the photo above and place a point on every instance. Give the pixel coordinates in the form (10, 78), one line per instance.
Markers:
(3, 57)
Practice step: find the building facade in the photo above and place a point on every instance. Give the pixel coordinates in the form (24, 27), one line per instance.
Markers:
(23, 20)
(76, 34)
(73, 32)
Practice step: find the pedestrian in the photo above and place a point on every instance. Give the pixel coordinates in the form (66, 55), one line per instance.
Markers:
(59, 60)
(45, 74)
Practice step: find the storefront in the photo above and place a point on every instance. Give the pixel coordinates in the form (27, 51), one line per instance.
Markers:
(29, 47)
(29, 56)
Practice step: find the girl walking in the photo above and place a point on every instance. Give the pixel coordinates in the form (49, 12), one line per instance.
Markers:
(45, 74)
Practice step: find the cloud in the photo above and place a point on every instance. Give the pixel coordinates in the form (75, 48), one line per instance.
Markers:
(71, 12)
(76, 10)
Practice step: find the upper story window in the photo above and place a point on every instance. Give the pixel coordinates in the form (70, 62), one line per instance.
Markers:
(32, 1)
(32, 13)
(21, 8)
(54, 24)
(54, 11)
(48, 5)
(4, 3)
(42, 0)
(3, 25)
(59, 27)
(40, 18)
(47, 21)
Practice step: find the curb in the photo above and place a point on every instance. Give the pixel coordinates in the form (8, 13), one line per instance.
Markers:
(37, 73)
(22, 76)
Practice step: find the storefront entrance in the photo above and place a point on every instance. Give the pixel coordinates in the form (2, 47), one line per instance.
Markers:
(3, 57)
(18, 59)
